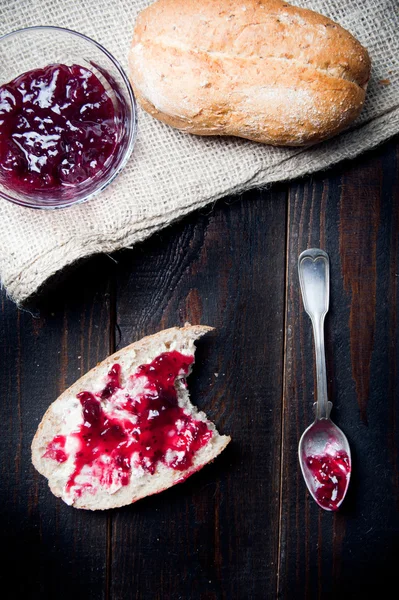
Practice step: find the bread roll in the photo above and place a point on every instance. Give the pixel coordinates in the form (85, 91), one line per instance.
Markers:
(258, 69)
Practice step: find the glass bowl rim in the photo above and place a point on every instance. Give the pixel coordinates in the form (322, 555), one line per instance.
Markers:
(133, 125)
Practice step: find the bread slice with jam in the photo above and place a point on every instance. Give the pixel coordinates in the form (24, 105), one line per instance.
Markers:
(127, 429)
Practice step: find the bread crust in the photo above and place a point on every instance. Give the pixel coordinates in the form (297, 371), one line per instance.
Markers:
(258, 69)
(139, 352)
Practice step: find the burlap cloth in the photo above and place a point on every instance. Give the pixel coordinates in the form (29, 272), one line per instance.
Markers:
(169, 173)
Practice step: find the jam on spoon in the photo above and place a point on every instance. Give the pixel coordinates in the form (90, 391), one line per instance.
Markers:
(330, 473)
(57, 129)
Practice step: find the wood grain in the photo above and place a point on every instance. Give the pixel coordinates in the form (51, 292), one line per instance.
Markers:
(216, 535)
(361, 204)
(58, 552)
(244, 528)
(353, 214)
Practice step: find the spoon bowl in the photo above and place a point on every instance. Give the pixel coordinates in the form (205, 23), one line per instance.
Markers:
(325, 460)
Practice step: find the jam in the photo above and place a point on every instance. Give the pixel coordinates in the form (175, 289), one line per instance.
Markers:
(330, 472)
(136, 426)
(100, 435)
(55, 449)
(57, 129)
(113, 382)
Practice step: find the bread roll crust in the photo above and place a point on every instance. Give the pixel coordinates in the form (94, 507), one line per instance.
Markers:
(258, 69)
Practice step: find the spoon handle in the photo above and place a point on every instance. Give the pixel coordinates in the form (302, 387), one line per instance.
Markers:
(314, 278)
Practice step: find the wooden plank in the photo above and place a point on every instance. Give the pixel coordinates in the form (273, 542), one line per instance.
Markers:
(56, 551)
(353, 213)
(216, 535)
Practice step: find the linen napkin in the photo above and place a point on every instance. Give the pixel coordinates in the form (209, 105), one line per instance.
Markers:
(171, 173)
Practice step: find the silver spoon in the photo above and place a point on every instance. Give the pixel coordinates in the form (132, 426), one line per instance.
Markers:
(324, 453)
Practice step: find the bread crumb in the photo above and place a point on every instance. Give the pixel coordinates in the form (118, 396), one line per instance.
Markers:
(384, 82)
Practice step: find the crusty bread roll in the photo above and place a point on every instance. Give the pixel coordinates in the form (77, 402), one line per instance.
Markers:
(258, 69)
(96, 448)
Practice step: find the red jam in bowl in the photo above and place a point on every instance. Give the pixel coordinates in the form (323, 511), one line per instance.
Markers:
(121, 430)
(330, 472)
(57, 129)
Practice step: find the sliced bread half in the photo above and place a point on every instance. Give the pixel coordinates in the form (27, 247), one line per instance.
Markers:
(127, 429)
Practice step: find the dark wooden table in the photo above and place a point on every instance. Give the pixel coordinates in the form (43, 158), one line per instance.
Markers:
(245, 527)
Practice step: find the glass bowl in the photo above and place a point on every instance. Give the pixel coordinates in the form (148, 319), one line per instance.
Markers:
(37, 47)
